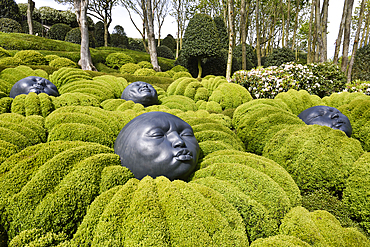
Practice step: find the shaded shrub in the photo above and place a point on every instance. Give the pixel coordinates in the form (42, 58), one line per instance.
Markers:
(145, 64)
(119, 40)
(9, 9)
(10, 26)
(116, 60)
(144, 72)
(250, 54)
(99, 33)
(31, 57)
(58, 31)
(164, 51)
(63, 62)
(38, 28)
(279, 56)
(4, 53)
(170, 42)
(361, 70)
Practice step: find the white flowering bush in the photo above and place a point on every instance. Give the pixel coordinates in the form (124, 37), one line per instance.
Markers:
(358, 86)
(319, 79)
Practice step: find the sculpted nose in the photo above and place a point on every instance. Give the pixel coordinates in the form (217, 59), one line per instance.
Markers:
(177, 141)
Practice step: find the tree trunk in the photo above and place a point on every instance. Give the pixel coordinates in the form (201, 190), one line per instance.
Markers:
(325, 28)
(282, 24)
(199, 67)
(106, 34)
(258, 45)
(320, 42)
(81, 15)
(366, 31)
(355, 43)
(338, 42)
(231, 39)
(309, 45)
(243, 34)
(296, 23)
(30, 8)
(287, 24)
(149, 25)
(347, 34)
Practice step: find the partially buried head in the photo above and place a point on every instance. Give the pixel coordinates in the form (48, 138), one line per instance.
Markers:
(140, 92)
(158, 144)
(326, 116)
(34, 84)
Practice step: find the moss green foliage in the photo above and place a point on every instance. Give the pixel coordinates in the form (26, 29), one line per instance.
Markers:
(116, 60)
(181, 74)
(85, 123)
(355, 193)
(230, 95)
(10, 61)
(188, 87)
(129, 68)
(50, 58)
(67, 75)
(63, 62)
(31, 57)
(211, 83)
(211, 106)
(222, 32)
(9, 9)
(266, 166)
(179, 102)
(279, 241)
(253, 183)
(122, 105)
(298, 101)
(32, 104)
(144, 72)
(315, 156)
(279, 56)
(358, 112)
(113, 176)
(163, 74)
(8, 25)
(56, 170)
(74, 36)
(320, 228)
(4, 53)
(5, 104)
(179, 68)
(145, 64)
(361, 69)
(338, 99)
(38, 28)
(58, 31)
(164, 51)
(36, 237)
(156, 212)
(74, 99)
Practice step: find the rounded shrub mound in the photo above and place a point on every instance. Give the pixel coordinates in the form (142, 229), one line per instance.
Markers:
(156, 212)
(170, 42)
(44, 183)
(10, 61)
(37, 237)
(38, 28)
(188, 87)
(10, 26)
(116, 60)
(31, 57)
(164, 51)
(355, 193)
(58, 31)
(129, 68)
(338, 99)
(179, 68)
(218, 118)
(181, 74)
(212, 83)
(315, 156)
(180, 102)
(279, 56)
(361, 69)
(66, 75)
(75, 99)
(320, 228)
(253, 183)
(279, 240)
(63, 62)
(163, 74)
(50, 58)
(4, 53)
(116, 84)
(144, 72)
(230, 95)
(130, 105)
(211, 106)
(145, 65)
(32, 104)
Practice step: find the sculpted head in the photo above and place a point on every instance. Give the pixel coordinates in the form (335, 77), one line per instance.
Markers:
(158, 144)
(34, 84)
(140, 92)
(326, 116)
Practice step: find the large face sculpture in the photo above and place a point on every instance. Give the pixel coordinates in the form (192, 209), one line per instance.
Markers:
(158, 144)
(326, 116)
(140, 92)
(33, 84)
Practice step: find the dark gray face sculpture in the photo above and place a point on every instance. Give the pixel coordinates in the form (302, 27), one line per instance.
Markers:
(140, 92)
(158, 144)
(33, 84)
(326, 116)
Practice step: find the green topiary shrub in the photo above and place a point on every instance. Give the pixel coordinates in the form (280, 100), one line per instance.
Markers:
(220, 224)
(99, 33)
(222, 32)
(32, 104)
(129, 68)
(179, 75)
(179, 68)
(63, 62)
(58, 31)
(38, 28)
(116, 60)
(4, 53)
(37, 237)
(211, 106)
(144, 72)
(9, 9)
(115, 84)
(179, 102)
(75, 99)
(188, 87)
(5, 104)
(339, 99)
(361, 69)
(10, 26)
(279, 56)
(145, 64)
(31, 57)
(64, 76)
(230, 95)
(164, 51)
(163, 74)
(74, 36)
(50, 58)
(10, 61)
(316, 156)
(279, 241)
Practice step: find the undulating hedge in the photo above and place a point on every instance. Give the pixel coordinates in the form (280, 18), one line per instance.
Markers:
(4, 53)
(162, 213)
(336, 100)
(211, 106)
(188, 87)
(145, 72)
(179, 102)
(66, 75)
(32, 104)
(212, 82)
(315, 156)
(230, 95)
(8, 25)
(129, 68)
(31, 57)
(145, 65)
(116, 60)
(58, 31)
(74, 99)
(279, 240)
(63, 62)
(181, 74)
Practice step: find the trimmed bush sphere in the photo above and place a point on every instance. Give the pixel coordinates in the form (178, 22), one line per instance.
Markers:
(63, 62)
(30, 57)
(10, 26)
(116, 60)
(58, 31)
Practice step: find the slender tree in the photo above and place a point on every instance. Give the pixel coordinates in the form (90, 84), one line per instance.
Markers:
(258, 44)
(231, 39)
(161, 11)
(30, 8)
(320, 42)
(346, 37)
(296, 23)
(287, 23)
(243, 34)
(309, 53)
(338, 41)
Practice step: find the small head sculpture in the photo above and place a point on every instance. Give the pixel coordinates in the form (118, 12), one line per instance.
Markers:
(140, 92)
(326, 116)
(34, 84)
(158, 144)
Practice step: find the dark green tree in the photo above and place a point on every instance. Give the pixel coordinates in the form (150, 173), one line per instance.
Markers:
(9, 9)
(118, 37)
(170, 42)
(222, 32)
(201, 39)
(99, 33)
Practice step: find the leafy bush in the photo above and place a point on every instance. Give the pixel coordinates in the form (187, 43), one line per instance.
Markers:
(50, 16)
(118, 40)
(63, 62)
(280, 240)
(250, 53)
(32, 104)
(37, 237)
(58, 31)
(4, 53)
(279, 56)
(163, 74)
(116, 60)
(69, 17)
(74, 36)
(164, 51)
(99, 33)
(222, 32)
(361, 70)
(38, 28)
(358, 86)
(50, 58)
(179, 68)
(145, 72)
(10, 61)
(181, 74)
(188, 87)
(64, 76)
(10, 26)
(180, 102)
(170, 42)
(9, 9)
(135, 44)
(23, 12)
(129, 68)
(230, 95)
(145, 64)
(31, 57)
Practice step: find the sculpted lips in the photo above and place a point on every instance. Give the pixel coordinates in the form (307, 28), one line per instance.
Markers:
(144, 89)
(184, 155)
